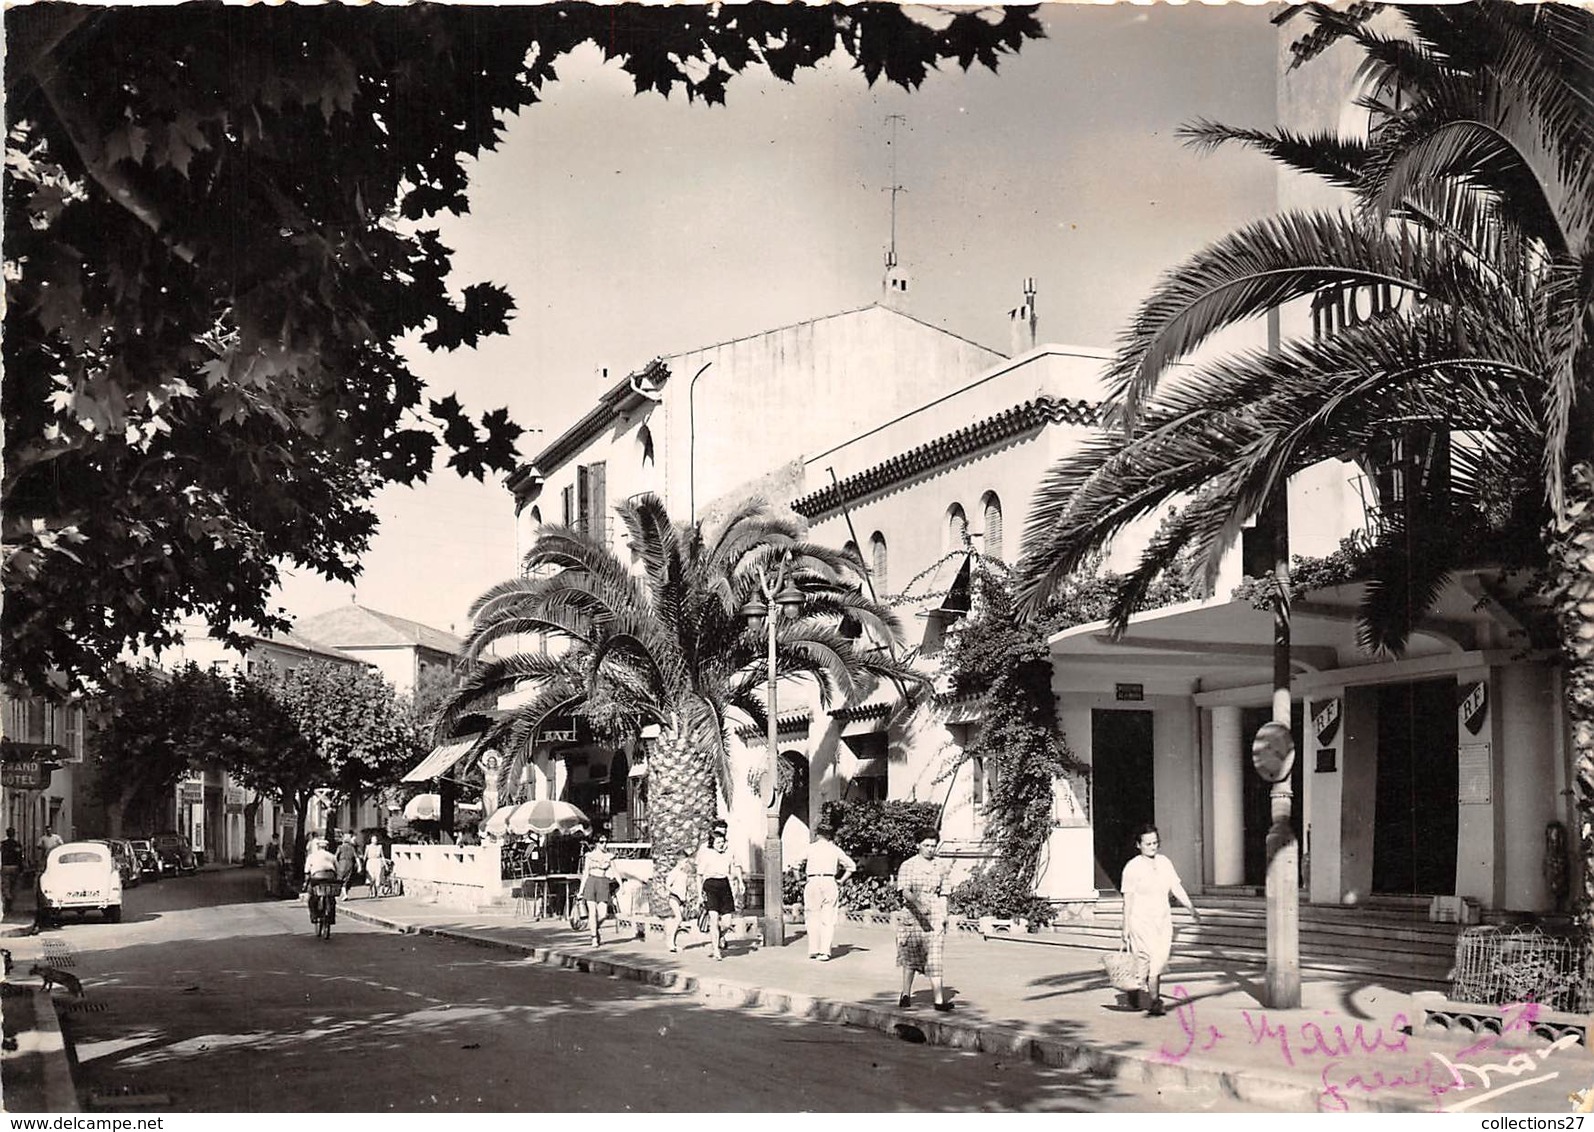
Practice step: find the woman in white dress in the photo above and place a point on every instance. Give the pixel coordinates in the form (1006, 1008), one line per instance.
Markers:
(1149, 880)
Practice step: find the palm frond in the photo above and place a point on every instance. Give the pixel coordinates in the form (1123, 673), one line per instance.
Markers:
(1337, 160)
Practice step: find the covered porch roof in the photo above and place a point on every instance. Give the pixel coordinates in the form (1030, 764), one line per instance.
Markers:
(1217, 643)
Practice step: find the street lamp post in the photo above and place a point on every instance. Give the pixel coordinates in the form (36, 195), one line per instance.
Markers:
(777, 591)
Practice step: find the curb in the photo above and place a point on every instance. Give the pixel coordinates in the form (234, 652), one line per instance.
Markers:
(45, 1041)
(1246, 1085)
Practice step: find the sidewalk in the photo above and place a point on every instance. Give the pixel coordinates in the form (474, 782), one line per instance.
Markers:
(36, 1075)
(1344, 1050)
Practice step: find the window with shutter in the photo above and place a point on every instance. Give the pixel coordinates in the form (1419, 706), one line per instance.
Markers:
(993, 525)
(957, 527)
(877, 560)
(597, 501)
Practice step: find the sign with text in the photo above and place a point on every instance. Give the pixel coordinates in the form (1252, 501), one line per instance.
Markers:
(1129, 692)
(1325, 721)
(26, 776)
(1475, 778)
(1474, 705)
(560, 729)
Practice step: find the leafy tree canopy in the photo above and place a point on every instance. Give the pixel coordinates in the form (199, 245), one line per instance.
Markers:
(349, 732)
(154, 727)
(215, 242)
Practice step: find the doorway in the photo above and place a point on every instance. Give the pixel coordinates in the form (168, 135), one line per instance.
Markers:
(794, 803)
(1256, 805)
(1122, 787)
(1415, 818)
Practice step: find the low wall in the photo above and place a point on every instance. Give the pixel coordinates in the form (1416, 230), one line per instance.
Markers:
(466, 876)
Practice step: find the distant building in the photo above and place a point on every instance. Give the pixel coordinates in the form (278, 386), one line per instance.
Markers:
(42, 780)
(404, 651)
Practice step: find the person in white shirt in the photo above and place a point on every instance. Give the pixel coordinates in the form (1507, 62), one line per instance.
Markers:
(821, 894)
(47, 841)
(375, 864)
(714, 871)
(320, 860)
(1148, 881)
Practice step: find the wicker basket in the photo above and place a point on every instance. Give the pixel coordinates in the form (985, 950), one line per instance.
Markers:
(1126, 971)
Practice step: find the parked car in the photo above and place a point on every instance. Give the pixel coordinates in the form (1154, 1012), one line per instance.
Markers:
(80, 876)
(149, 861)
(175, 853)
(126, 862)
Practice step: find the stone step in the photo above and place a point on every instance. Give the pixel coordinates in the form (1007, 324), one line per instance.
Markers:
(1351, 937)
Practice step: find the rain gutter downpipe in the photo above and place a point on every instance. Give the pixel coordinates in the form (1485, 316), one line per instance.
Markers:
(691, 440)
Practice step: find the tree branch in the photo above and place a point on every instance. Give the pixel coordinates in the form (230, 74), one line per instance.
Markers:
(117, 185)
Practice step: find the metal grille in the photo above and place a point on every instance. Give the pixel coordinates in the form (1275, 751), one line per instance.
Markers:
(1498, 966)
(87, 1007)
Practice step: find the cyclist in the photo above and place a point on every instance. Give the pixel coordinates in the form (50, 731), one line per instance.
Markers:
(319, 865)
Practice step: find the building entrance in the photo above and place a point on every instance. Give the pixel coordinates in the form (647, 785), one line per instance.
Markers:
(1415, 820)
(1122, 779)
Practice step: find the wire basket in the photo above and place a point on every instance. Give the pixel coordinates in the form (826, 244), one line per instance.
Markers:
(1500, 966)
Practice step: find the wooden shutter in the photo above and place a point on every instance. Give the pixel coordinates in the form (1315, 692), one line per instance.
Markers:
(597, 504)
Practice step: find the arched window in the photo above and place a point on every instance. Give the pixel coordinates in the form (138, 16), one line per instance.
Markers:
(536, 516)
(794, 803)
(993, 525)
(957, 527)
(644, 438)
(877, 561)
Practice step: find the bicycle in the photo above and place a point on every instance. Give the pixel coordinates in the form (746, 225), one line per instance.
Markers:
(387, 884)
(324, 906)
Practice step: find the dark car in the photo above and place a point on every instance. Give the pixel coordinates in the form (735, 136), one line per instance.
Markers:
(126, 862)
(149, 861)
(175, 853)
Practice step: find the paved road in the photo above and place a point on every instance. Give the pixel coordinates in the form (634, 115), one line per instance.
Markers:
(216, 1001)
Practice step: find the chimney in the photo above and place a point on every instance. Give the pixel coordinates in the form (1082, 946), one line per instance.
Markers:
(1022, 322)
(894, 284)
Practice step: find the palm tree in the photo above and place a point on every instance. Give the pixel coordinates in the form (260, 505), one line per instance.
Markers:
(1470, 229)
(667, 645)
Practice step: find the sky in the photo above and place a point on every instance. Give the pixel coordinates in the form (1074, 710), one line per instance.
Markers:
(628, 227)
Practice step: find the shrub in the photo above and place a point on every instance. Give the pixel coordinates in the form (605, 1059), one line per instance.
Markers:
(860, 893)
(791, 886)
(880, 829)
(1002, 893)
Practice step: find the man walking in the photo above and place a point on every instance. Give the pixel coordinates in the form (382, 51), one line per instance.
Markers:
(47, 841)
(10, 868)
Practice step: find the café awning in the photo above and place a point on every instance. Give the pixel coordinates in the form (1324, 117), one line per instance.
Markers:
(440, 761)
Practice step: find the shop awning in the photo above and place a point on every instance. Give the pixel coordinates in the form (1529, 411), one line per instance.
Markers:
(946, 591)
(440, 761)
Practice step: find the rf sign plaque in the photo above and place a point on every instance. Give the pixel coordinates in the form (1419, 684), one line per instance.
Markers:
(1273, 752)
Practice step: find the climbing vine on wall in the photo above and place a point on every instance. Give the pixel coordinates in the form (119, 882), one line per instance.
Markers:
(1005, 661)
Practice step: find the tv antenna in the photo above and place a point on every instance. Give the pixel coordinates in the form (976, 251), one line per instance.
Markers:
(894, 188)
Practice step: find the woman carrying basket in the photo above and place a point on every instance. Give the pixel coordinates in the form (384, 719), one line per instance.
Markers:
(1148, 881)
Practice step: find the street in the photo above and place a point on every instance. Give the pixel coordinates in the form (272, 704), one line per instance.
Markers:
(209, 999)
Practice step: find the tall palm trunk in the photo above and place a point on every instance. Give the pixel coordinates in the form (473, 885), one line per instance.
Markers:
(1571, 546)
(681, 806)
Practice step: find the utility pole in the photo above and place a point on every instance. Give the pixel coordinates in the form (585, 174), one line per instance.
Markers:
(1273, 755)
